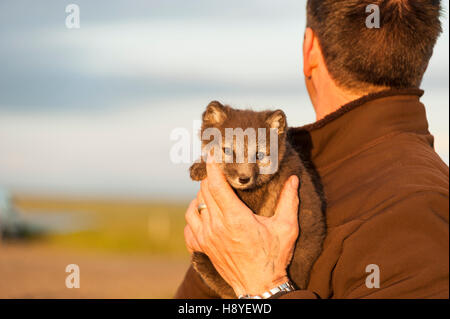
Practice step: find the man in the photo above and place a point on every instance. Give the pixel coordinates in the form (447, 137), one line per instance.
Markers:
(386, 188)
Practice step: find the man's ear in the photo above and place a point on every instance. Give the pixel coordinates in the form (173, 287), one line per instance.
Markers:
(277, 119)
(310, 60)
(214, 114)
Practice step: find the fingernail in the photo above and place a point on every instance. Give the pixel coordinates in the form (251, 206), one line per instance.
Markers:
(294, 181)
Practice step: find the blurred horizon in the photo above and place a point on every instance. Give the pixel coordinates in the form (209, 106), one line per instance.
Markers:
(86, 117)
(87, 113)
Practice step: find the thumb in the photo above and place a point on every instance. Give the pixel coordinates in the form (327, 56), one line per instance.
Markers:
(287, 207)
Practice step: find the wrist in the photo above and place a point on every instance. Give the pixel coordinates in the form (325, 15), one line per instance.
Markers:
(275, 292)
(259, 288)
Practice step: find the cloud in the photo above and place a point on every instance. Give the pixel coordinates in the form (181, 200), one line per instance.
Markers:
(90, 111)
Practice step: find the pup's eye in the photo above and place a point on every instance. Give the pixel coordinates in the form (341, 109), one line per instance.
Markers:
(228, 151)
(260, 155)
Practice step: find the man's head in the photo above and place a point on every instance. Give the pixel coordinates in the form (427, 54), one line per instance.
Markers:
(361, 59)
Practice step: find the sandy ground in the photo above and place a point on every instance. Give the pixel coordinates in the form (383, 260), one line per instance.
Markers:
(37, 271)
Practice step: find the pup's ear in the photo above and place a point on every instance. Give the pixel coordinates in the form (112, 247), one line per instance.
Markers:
(277, 119)
(214, 114)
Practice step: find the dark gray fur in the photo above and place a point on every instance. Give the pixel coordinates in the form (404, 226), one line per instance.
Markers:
(261, 196)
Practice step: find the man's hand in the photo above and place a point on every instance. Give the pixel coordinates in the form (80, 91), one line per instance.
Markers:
(249, 251)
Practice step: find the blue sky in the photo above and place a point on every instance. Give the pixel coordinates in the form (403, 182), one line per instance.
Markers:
(89, 111)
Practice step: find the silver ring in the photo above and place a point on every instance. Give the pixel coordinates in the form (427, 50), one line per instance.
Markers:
(200, 207)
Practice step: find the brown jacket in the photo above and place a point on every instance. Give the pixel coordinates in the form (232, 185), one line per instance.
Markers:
(387, 202)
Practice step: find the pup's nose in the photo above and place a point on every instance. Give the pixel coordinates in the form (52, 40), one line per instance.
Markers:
(244, 180)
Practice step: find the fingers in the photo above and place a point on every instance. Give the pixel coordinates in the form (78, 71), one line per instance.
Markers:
(219, 188)
(205, 214)
(193, 218)
(287, 208)
(191, 241)
(213, 209)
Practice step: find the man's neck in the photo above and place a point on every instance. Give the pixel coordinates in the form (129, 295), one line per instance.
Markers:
(325, 104)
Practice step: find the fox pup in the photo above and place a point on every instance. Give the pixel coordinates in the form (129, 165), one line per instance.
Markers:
(260, 192)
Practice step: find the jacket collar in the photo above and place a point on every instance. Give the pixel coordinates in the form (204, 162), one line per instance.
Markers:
(359, 123)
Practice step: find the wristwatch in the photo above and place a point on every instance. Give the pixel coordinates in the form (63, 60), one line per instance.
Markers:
(279, 290)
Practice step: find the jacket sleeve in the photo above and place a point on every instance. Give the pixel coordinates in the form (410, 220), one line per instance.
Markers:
(193, 287)
(409, 243)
